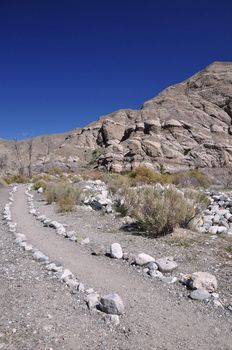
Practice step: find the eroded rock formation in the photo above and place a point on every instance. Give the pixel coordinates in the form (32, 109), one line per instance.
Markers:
(187, 125)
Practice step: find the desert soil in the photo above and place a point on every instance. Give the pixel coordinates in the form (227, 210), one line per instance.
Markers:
(38, 312)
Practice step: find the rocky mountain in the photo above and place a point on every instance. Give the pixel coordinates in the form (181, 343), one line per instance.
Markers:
(187, 125)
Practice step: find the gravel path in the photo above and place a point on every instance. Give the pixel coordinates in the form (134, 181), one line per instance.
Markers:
(156, 318)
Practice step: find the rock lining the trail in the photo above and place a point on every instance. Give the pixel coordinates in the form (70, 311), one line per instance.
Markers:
(152, 267)
(217, 218)
(116, 251)
(112, 304)
(64, 275)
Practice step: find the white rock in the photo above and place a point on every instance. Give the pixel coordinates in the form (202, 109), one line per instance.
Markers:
(203, 280)
(155, 273)
(20, 237)
(81, 287)
(32, 211)
(40, 190)
(213, 230)
(72, 283)
(113, 319)
(217, 303)
(67, 274)
(61, 230)
(222, 229)
(116, 251)
(28, 247)
(53, 267)
(39, 256)
(166, 264)
(55, 224)
(85, 241)
(143, 259)
(41, 218)
(92, 300)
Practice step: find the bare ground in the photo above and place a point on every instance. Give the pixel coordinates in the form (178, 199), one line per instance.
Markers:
(158, 316)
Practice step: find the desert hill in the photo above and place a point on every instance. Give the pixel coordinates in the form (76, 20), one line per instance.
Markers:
(187, 125)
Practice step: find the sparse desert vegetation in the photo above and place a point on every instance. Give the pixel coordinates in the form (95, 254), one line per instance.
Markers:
(65, 195)
(159, 211)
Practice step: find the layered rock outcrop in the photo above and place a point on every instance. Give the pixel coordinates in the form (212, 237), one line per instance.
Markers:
(187, 125)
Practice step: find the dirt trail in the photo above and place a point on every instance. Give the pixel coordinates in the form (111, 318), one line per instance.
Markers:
(153, 319)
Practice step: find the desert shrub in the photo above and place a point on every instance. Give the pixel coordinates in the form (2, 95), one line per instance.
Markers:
(19, 178)
(2, 183)
(144, 175)
(191, 178)
(65, 195)
(89, 174)
(55, 171)
(75, 178)
(38, 184)
(95, 155)
(228, 249)
(158, 212)
(117, 182)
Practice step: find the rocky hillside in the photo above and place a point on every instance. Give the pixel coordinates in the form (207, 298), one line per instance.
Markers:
(187, 125)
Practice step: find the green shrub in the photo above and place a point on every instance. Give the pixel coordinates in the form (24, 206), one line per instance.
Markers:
(117, 182)
(65, 195)
(95, 155)
(228, 249)
(191, 178)
(19, 178)
(40, 183)
(158, 212)
(55, 171)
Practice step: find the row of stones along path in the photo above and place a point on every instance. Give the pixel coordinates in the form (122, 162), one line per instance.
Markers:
(156, 320)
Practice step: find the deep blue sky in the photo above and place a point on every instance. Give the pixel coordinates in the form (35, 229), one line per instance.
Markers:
(64, 63)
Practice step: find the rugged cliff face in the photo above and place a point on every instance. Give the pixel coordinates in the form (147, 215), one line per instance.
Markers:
(187, 125)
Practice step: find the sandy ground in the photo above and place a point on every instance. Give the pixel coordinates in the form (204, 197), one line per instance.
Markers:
(158, 316)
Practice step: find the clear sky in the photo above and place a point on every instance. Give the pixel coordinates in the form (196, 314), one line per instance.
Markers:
(64, 63)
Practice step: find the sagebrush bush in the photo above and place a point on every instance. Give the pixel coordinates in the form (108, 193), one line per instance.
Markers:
(65, 195)
(19, 178)
(38, 184)
(2, 183)
(191, 178)
(95, 155)
(158, 212)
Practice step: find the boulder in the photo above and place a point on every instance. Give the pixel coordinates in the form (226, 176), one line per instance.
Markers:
(112, 304)
(116, 251)
(203, 280)
(39, 256)
(143, 259)
(200, 294)
(40, 190)
(166, 264)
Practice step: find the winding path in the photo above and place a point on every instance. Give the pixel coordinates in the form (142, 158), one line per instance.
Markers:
(156, 319)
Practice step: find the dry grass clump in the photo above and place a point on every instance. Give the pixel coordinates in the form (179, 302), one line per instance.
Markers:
(40, 183)
(117, 182)
(65, 195)
(191, 178)
(19, 178)
(95, 155)
(54, 171)
(158, 212)
(89, 174)
(2, 183)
